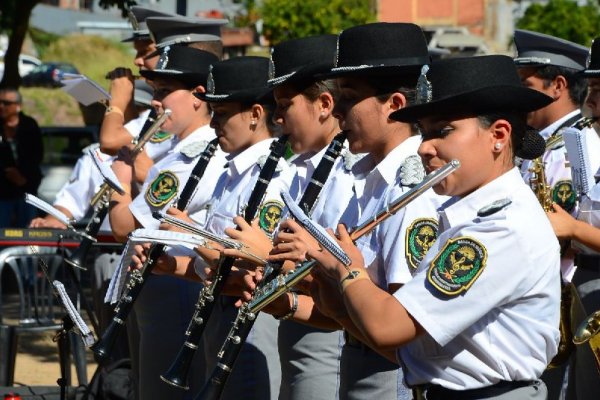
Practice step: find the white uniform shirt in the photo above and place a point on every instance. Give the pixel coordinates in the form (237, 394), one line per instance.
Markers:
(232, 193)
(335, 193)
(503, 323)
(558, 175)
(166, 179)
(589, 212)
(84, 183)
(384, 249)
(159, 145)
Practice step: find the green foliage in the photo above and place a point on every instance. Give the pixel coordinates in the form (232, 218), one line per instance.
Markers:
(42, 39)
(290, 19)
(564, 19)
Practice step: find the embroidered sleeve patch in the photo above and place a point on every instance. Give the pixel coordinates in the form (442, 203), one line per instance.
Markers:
(270, 215)
(458, 264)
(419, 237)
(564, 195)
(162, 189)
(160, 136)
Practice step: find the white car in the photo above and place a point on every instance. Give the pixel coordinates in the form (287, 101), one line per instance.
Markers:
(26, 64)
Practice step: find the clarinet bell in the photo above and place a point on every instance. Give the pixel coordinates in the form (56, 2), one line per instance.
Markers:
(177, 374)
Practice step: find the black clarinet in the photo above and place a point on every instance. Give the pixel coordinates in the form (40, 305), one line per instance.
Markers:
(244, 321)
(102, 347)
(177, 374)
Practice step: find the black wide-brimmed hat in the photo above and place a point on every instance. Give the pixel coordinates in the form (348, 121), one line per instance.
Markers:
(380, 48)
(183, 30)
(241, 79)
(137, 18)
(593, 62)
(297, 60)
(184, 64)
(470, 86)
(536, 49)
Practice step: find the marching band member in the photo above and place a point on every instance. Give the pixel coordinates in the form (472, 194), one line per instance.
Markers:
(374, 80)
(166, 303)
(480, 317)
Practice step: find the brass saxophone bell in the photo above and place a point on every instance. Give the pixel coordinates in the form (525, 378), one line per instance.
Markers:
(588, 328)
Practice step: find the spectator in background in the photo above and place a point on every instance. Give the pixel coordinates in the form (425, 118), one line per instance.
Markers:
(21, 152)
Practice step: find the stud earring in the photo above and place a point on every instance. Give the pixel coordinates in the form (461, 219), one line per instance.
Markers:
(322, 113)
(253, 122)
(497, 146)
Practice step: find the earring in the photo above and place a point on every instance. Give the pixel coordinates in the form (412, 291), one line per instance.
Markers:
(322, 113)
(253, 122)
(498, 146)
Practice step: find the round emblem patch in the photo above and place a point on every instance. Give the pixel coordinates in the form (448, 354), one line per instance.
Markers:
(159, 137)
(420, 235)
(458, 264)
(269, 216)
(162, 189)
(564, 195)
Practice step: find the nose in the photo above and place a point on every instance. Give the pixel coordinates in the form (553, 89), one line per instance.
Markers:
(277, 118)
(213, 122)
(426, 150)
(337, 111)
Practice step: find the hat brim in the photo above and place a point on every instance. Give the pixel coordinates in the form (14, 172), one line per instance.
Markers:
(240, 96)
(477, 102)
(137, 36)
(187, 78)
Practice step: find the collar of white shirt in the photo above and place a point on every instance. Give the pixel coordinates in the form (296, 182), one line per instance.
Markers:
(549, 130)
(456, 210)
(248, 158)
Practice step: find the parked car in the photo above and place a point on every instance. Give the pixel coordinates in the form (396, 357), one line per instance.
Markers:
(48, 74)
(26, 64)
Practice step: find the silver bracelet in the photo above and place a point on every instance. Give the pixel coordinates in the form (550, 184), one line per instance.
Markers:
(293, 309)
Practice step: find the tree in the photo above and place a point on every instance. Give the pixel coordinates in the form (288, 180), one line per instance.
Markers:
(564, 19)
(14, 20)
(290, 19)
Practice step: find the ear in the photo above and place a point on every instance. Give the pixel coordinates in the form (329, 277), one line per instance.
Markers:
(199, 89)
(501, 131)
(326, 103)
(257, 111)
(396, 101)
(560, 85)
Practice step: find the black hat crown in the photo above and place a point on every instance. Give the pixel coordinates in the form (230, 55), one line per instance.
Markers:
(185, 64)
(241, 79)
(592, 69)
(471, 86)
(178, 30)
(301, 59)
(381, 48)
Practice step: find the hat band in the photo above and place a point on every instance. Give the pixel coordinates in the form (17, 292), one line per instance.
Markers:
(398, 63)
(532, 60)
(280, 79)
(216, 96)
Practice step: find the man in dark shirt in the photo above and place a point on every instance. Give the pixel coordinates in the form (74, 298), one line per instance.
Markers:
(21, 152)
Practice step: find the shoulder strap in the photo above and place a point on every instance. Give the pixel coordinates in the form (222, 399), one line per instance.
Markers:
(319, 177)
(192, 183)
(265, 176)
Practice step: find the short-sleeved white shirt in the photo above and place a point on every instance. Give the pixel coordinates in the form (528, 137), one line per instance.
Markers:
(83, 184)
(177, 166)
(504, 326)
(335, 193)
(384, 249)
(589, 212)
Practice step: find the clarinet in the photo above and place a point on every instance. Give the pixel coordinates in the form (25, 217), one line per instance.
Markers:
(177, 374)
(135, 284)
(282, 283)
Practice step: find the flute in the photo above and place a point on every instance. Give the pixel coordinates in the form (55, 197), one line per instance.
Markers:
(282, 283)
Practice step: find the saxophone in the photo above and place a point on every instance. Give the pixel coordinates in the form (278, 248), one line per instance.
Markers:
(569, 300)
